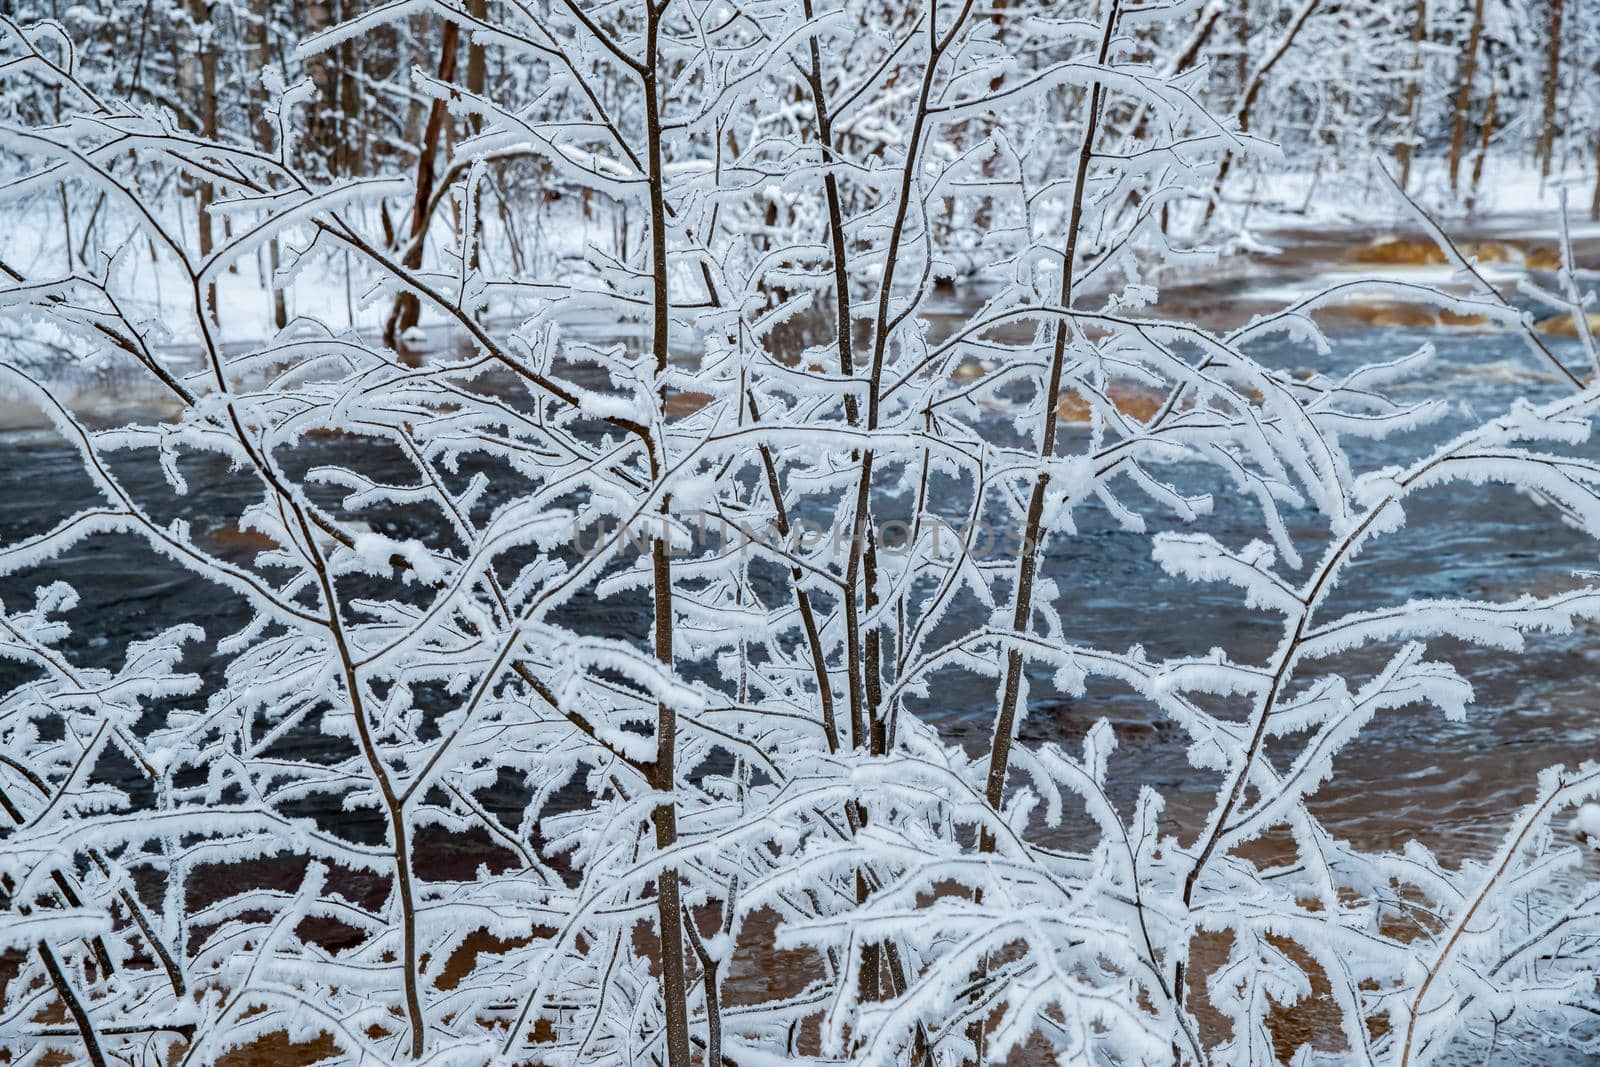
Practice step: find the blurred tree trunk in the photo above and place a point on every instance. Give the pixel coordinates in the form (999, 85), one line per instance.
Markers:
(406, 307)
(1594, 200)
(1552, 75)
(1484, 137)
(1241, 59)
(321, 131)
(477, 64)
(477, 82)
(1412, 111)
(352, 125)
(262, 32)
(205, 40)
(1464, 76)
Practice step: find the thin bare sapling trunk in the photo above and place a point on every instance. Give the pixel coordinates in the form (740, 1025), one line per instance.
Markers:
(407, 308)
(1465, 73)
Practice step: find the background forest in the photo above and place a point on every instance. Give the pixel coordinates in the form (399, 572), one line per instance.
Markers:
(1440, 90)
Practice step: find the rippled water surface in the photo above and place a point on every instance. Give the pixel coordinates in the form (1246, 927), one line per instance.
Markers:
(1411, 774)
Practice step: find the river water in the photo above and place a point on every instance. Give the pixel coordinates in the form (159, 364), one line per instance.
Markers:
(1411, 774)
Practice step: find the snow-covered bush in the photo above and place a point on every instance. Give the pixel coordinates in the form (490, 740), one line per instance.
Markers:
(503, 759)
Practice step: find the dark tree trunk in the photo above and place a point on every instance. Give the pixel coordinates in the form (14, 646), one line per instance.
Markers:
(200, 11)
(262, 32)
(1484, 137)
(1594, 199)
(1552, 76)
(406, 307)
(1468, 68)
(1407, 145)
